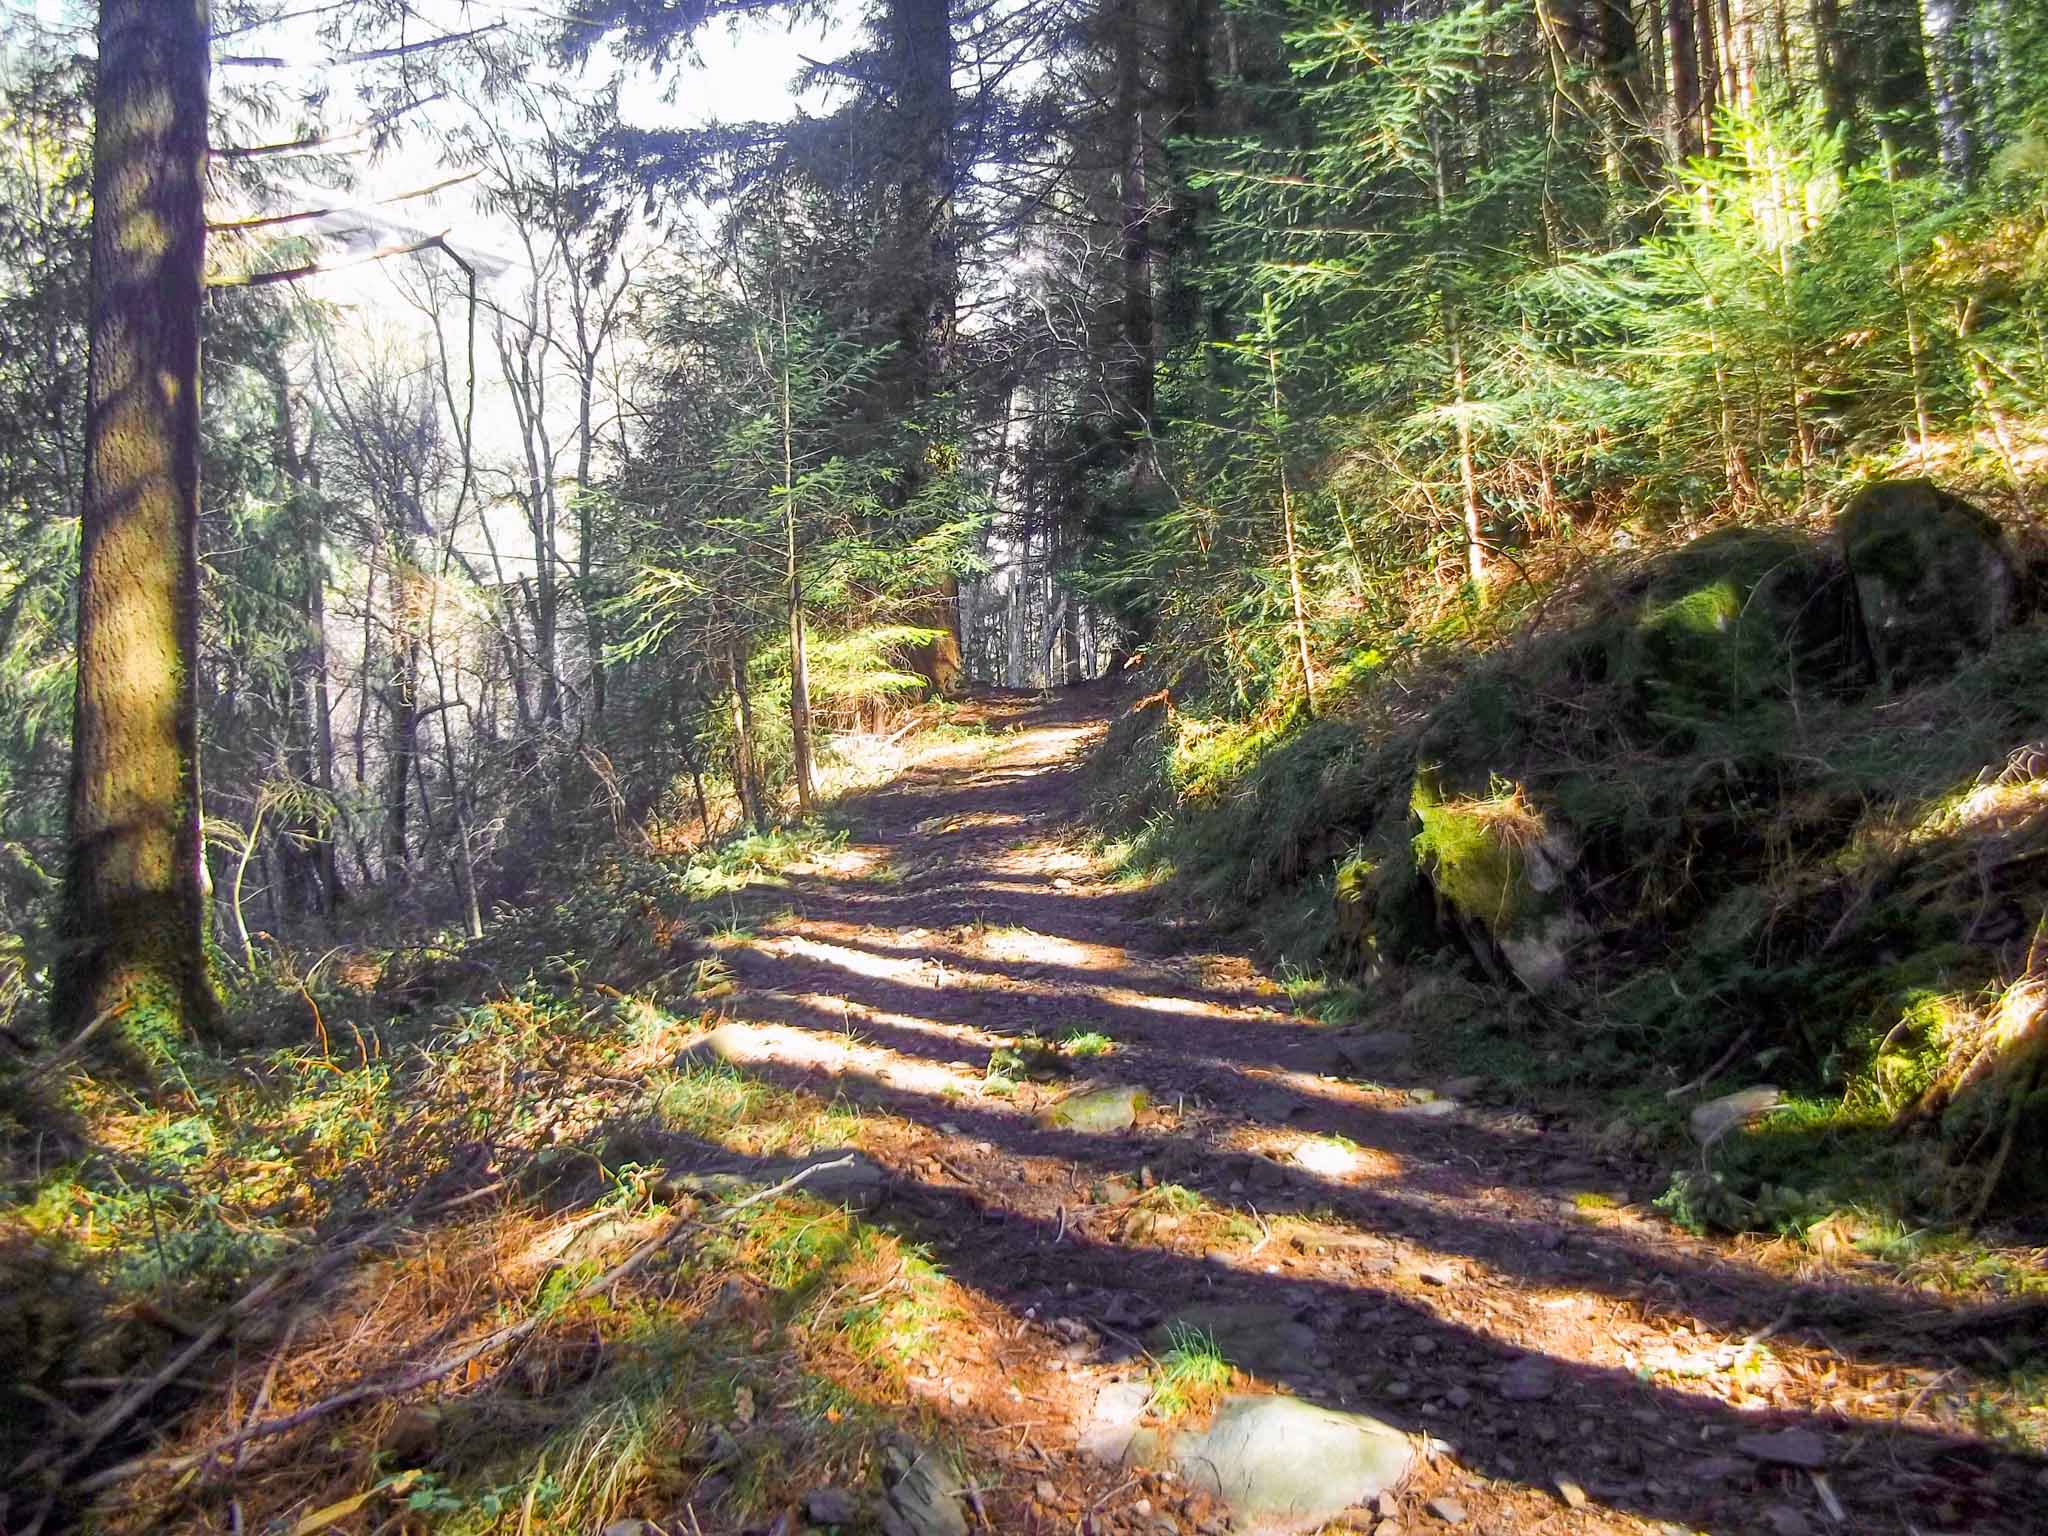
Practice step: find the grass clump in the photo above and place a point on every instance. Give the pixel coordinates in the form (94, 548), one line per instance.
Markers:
(1474, 849)
(707, 1098)
(1190, 1374)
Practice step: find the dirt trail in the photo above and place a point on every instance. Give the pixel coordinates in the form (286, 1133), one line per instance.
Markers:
(1487, 1284)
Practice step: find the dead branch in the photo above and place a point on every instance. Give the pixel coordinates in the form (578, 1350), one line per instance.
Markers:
(362, 56)
(1712, 1072)
(231, 226)
(78, 1041)
(367, 1390)
(315, 268)
(318, 141)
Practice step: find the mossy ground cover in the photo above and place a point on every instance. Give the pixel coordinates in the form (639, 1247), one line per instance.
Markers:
(1784, 871)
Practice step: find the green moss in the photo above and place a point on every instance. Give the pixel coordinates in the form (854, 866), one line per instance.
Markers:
(1696, 640)
(1467, 858)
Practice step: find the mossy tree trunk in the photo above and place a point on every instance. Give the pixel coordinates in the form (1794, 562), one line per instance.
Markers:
(135, 885)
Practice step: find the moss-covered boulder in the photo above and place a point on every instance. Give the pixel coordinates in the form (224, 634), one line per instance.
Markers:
(1503, 867)
(1737, 616)
(1383, 909)
(1934, 579)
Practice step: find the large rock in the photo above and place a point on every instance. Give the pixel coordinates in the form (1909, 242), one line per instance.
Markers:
(1282, 1466)
(1383, 910)
(1099, 1111)
(1733, 617)
(924, 1496)
(1113, 1421)
(1502, 865)
(1373, 1053)
(1934, 579)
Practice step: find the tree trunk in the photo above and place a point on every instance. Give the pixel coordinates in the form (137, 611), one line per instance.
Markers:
(1949, 28)
(800, 698)
(1710, 71)
(746, 773)
(1189, 103)
(1468, 480)
(1621, 83)
(695, 768)
(923, 270)
(134, 914)
(402, 707)
(1137, 384)
(1296, 598)
(1684, 96)
(799, 659)
(1900, 93)
(585, 508)
(311, 878)
(1831, 62)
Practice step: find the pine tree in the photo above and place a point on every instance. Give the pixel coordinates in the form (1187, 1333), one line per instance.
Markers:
(134, 920)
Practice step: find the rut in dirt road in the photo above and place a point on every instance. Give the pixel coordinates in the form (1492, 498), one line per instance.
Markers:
(1491, 1287)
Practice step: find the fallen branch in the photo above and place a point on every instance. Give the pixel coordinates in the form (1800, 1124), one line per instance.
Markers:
(1712, 1072)
(114, 1416)
(366, 1390)
(44, 1068)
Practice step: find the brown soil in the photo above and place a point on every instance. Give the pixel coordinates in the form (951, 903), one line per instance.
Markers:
(1429, 1255)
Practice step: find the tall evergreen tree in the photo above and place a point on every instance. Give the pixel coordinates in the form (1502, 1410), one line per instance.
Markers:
(134, 899)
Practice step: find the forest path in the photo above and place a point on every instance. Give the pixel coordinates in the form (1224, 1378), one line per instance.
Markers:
(1494, 1287)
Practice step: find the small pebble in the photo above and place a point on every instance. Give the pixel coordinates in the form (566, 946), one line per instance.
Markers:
(1447, 1509)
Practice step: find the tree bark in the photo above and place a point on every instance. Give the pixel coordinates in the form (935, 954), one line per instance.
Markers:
(134, 914)
(746, 773)
(923, 271)
(1687, 135)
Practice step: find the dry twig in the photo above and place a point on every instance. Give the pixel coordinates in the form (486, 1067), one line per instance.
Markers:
(368, 1390)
